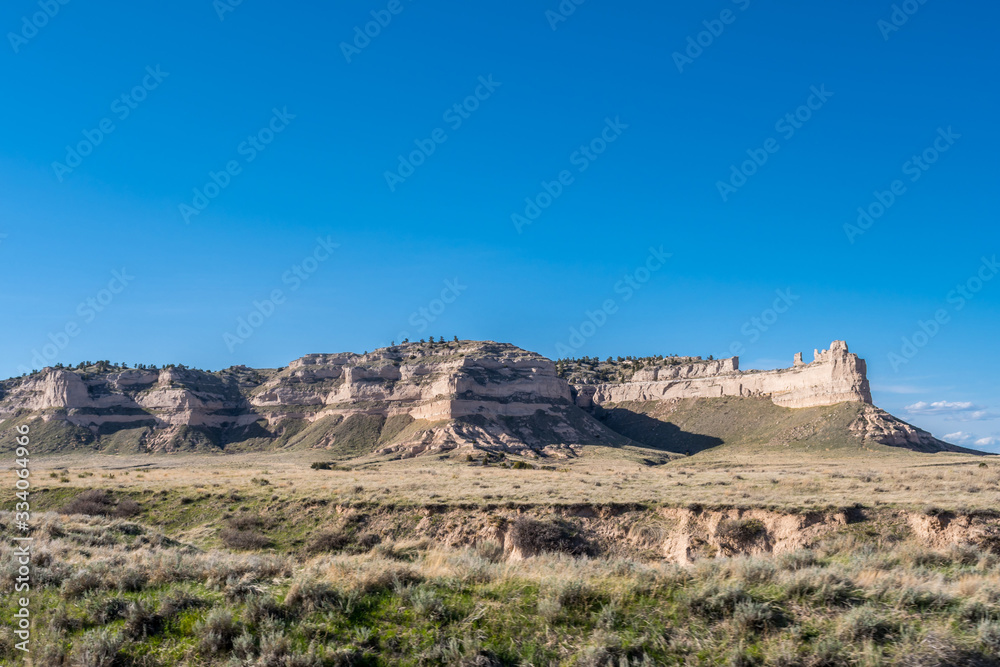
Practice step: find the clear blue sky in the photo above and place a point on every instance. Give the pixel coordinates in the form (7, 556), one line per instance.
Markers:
(633, 139)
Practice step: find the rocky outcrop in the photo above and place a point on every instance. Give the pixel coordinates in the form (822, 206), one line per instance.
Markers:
(701, 369)
(413, 399)
(879, 426)
(485, 379)
(457, 393)
(166, 397)
(835, 376)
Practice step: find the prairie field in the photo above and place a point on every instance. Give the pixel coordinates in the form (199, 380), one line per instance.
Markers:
(875, 477)
(884, 558)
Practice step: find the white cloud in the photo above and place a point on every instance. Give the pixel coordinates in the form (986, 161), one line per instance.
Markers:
(972, 439)
(938, 407)
(963, 411)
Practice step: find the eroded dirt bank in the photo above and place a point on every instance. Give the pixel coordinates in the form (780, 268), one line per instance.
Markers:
(680, 535)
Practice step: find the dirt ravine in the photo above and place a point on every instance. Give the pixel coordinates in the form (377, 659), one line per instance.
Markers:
(678, 535)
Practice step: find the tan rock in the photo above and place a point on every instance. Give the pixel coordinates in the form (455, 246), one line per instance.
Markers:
(835, 376)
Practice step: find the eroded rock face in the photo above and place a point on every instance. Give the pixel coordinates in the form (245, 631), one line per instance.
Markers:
(419, 398)
(470, 391)
(879, 426)
(485, 379)
(161, 398)
(835, 376)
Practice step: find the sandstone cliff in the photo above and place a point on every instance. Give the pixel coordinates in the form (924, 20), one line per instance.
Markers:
(420, 398)
(410, 399)
(835, 376)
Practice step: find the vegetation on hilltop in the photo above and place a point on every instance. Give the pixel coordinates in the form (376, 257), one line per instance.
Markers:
(591, 370)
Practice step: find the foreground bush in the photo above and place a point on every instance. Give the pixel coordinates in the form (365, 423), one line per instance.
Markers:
(112, 593)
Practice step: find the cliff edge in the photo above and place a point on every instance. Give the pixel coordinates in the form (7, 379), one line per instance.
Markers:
(420, 398)
(834, 376)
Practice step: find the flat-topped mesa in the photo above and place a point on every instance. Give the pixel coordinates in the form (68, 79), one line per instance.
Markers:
(128, 398)
(834, 376)
(687, 371)
(445, 382)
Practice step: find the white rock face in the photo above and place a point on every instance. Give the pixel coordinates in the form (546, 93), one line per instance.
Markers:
(688, 371)
(430, 383)
(880, 426)
(493, 394)
(835, 376)
(488, 379)
(161, 398)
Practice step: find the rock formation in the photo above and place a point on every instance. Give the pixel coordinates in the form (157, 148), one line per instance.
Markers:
(408, 400)
(835, 376)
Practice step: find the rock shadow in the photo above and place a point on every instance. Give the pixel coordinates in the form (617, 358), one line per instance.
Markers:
(655, 433)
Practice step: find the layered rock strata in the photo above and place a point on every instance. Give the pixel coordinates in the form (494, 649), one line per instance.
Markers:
(409, 399)
(834, 376)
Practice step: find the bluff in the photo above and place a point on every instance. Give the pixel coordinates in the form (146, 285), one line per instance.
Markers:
(420, 398)
(407, 399)
(834, 376)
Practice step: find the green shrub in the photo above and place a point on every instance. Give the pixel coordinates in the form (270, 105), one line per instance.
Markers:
(822, 587)
(714, 602)
(310, 595)
(218, 631)
(534, 537)
(867, 623)
(245, 540)
(740, 530)
(754, 616)
(328, 541)
(427, 603)
(989, 635)
(96, 502)
(98, 648)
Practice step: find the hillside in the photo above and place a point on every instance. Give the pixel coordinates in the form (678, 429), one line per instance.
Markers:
(454, 398)
(689, 426)
(405, 400)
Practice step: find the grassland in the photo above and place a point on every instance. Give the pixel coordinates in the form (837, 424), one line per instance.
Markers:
(112, 592)
(780, 479)
(865, 557)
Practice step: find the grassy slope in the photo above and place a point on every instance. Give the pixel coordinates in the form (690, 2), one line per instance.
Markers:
(694, 425)
(49, 437)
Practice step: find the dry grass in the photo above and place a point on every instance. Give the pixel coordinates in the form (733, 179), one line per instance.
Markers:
(109, 593)
(903, 479)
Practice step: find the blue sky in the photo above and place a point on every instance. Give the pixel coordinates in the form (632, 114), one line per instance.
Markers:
(508, 171)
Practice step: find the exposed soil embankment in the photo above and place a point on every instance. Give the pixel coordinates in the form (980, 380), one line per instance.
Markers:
(680, 535)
